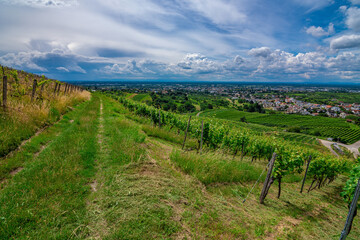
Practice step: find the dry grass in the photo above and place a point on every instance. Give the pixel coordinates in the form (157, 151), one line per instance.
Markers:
(23, 117)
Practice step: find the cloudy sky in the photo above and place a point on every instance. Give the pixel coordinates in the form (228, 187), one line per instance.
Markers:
(230, 40)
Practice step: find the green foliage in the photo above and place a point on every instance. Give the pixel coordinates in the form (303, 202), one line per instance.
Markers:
(324, 170)
(288, 161)
(15, 76)
(351, 183)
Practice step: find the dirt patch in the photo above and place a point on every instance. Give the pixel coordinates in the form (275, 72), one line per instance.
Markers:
(132, 95)
(285, 223)
(318, 210)
(149, 168)
(98, 226)
(3, 181)
(93, 186)
(16, 171)
(42, 148)
(99, 139)
(178, 210)
(71, 121)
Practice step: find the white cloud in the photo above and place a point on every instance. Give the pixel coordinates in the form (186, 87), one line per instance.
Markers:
(314, 5)
(319, 31)
(355, 2)
(353, 18)
(64, 69)
(316, 31)
(260, 52)
(45, 61)
(345, 61)
(289, 63)
(343, 9)
(22, 60)
(136, 68)
(275, 64)
(43, 3)
(346, 41)
(197, 63)
(306, 75)
(218, 11)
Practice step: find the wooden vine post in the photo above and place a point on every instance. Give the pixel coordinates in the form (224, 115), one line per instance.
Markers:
(267, 182)
(56, 84)
(187, 129)
(352, 213)
(33, 90)
(307, 168)
(202, 134)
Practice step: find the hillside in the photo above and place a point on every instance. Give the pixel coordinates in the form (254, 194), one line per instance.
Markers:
(102, 172)
(324, 127)
(30, 103)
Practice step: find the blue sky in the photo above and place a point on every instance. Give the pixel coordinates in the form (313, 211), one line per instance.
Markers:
(214, 40)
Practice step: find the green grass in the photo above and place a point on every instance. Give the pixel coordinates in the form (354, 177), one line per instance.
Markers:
(127, 205)
(168, 135)
(47, 199)
(212, 169)
(36, 145)
(142, 97)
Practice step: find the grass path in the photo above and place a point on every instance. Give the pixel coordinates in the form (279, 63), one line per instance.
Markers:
(46, 200)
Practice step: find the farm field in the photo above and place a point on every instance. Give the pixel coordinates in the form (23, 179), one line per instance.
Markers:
(327, 97)
(113, 181)
(316, 126)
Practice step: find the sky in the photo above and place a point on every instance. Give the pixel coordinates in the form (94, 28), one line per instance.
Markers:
(290, 41)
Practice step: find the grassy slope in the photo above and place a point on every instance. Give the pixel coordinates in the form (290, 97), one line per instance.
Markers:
(24, 117)
(161, 201)
(47, 199)
(110, 181)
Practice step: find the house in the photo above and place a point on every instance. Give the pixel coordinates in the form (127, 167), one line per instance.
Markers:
(335, 109)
